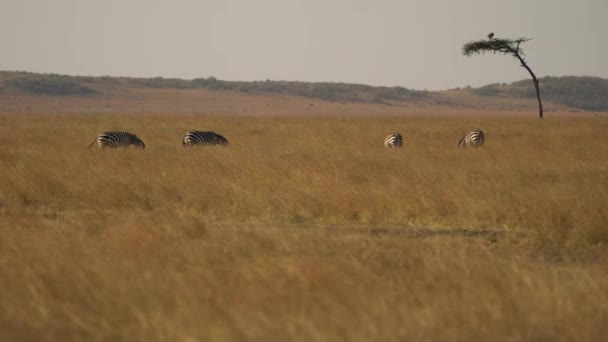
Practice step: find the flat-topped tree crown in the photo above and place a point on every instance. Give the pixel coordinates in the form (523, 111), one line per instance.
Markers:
(494, 45)
(506, 47)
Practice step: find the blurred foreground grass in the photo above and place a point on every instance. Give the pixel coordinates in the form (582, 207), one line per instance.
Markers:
(303, 229)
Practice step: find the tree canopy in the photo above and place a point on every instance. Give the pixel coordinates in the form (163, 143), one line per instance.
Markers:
(493, 45)
(507, 47)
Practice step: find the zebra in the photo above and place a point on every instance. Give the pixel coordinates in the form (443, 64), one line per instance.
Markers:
(393, 140)
(473, 138)
(117, 139)
(192, 138)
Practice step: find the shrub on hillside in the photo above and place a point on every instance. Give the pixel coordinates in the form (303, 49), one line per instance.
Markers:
(49, 85)
(488, 90)
(160, 82)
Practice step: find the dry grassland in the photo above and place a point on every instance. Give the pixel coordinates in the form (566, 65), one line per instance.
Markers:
(303, 229)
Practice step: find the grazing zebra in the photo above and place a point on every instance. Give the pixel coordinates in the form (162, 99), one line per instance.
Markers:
(474, 139)
(393, 140)
(117, 139)
(192, 138)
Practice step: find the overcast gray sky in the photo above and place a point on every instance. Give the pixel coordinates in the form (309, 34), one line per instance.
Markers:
(415, 44)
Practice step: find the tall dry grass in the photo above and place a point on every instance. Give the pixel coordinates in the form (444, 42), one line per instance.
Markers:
(303, 229)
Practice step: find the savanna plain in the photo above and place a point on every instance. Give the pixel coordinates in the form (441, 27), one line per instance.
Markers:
(304, 229)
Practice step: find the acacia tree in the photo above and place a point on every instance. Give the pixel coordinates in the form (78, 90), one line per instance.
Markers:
(505, 47)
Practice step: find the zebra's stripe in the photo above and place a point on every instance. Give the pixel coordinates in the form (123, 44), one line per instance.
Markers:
(117, 139)
(473, 139)
(192, 138)
(393, 140)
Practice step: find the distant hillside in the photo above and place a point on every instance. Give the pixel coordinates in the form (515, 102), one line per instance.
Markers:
(44, 84)
(589, 93)
(53, 84)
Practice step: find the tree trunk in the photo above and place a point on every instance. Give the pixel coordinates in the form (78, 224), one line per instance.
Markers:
(540, 104)
(535, 80)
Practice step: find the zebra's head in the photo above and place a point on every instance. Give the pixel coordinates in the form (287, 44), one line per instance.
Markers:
(139, 143)
(462, 143)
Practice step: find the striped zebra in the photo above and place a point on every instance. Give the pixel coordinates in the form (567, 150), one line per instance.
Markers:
(117, 139)
(192, 138)
(474, 139)
(393, 140)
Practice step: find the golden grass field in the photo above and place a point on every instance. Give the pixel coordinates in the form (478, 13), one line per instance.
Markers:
(304, 229)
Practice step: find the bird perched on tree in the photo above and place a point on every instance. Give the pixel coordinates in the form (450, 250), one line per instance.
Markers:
(491, 35)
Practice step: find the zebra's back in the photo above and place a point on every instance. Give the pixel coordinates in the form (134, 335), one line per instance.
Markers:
(393, 140)
(192, 138)
(118, 139)
(473, 139)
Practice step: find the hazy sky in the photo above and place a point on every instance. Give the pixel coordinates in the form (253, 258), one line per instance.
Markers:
(416, 44)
